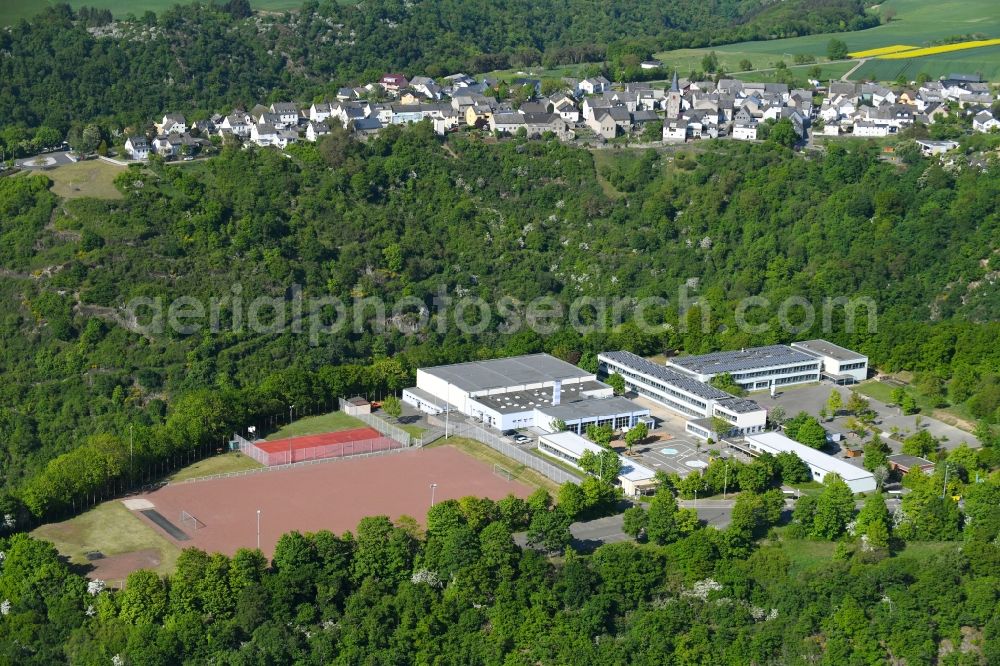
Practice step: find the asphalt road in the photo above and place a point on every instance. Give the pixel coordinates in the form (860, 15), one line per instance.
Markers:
(588, 535)
(43, 161)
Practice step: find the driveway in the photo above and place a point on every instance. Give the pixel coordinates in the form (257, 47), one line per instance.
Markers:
(44, 161)
(812, 398)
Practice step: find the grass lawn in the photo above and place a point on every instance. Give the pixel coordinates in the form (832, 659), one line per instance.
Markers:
(313, 425)
(227, 462)
(14, 10)
(917, 23)
(921, 550)
(602, 159)
(111, 529)
(92, 178)
(806, 554)
(956, 415)
(415, 431)
(813, 488)
(985, 61)
(486, 454)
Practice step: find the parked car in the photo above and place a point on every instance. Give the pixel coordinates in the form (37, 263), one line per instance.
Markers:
(509, 433)
(521, 439)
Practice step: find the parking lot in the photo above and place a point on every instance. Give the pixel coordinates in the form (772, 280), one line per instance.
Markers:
(811, 398)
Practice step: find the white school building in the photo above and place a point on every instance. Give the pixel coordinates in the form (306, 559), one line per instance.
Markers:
(683, 394)
(522, 392)
(820, 464)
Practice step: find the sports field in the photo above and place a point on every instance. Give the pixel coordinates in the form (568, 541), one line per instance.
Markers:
(331, 495)
(917, 23)
(352, 442)
(14, 10)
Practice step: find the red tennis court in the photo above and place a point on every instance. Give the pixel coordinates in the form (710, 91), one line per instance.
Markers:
(339, 444)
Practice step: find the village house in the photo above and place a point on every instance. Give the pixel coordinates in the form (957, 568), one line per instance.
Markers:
(315, 130)
(985, 122)
(236, 123)
(393, 82)
(365, 127)
(172, 123)
(137, 147)
(288, 113)
(594, 86)
(675, 130)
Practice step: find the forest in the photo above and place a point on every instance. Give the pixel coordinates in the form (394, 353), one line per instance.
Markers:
(462, 591)
(408, 216)
(62, 70)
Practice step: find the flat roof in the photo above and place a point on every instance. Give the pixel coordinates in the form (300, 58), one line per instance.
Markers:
(909, 461)
(777, 442)
(681, 381)
(571, 443)
(427, 397)
(593, 408)
(502, 372)
(751, 358)
(739, 405)
(635, 472)
(524, 401)
(824, 348)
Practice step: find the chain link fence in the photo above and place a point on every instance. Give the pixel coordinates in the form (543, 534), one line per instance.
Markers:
(381, 425)
(500, 444)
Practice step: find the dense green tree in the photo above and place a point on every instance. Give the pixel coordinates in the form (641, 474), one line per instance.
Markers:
(634, 521)
(636, 434)
(661, 524)
(792, 469)
(550, 530)
(144, 600)
(921, 443)
(834, 508)
(836, 49)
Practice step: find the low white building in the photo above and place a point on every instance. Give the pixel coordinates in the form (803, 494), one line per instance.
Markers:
(839, 364)
(569, 447)
(745, 132)
(870, 129)
(929, 148)
(820, 464)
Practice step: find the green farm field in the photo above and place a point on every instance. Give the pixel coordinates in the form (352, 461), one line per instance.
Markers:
(917, 23)
(12, 11)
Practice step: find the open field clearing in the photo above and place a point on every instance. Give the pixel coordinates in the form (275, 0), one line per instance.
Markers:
(944, 48)
(114, 532)
(917, 23)
(92, 178)
(885, 50)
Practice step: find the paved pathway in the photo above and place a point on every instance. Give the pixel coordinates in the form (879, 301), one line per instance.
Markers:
(851, 71)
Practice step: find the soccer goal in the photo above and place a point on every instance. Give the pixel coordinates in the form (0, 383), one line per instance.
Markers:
(189, 521)
(504, 472)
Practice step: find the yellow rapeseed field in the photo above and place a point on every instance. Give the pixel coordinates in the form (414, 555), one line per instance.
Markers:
(945, 48)
(885, 50)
